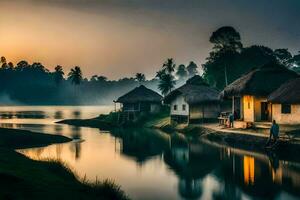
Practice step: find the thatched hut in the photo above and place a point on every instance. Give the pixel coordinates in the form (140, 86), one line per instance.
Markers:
(286, 103)
(193, 102)
(140, 99)
(249, 93)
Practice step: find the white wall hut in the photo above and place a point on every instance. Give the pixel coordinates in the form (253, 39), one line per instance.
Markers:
(193, 102)
(285, 103)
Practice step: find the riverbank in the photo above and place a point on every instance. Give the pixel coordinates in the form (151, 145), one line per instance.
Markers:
(288, 145)
(245, 139)
(23, 178)
(110, 121)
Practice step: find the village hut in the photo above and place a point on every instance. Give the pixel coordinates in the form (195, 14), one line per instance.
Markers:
(193, 102)
(285, 103)
(140, 100)
(249, 93)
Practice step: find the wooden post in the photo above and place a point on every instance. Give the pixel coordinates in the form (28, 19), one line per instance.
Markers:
(233, 105)
(225, 69)
(115, 104)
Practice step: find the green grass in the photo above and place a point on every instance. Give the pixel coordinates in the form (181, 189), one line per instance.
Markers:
(110, 121)
(23, 178)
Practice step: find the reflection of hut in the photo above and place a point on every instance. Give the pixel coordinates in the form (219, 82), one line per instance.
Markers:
(142, 144)
(189, 166)
(253, 176)
(179, 150)
(286, 103)
(249, 93)
(191, 189)
(194, 101)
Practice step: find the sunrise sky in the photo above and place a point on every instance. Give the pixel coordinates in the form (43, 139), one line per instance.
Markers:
(118, 38)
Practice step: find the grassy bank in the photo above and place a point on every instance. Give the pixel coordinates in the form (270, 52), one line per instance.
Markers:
(111, 121)
(23, 178)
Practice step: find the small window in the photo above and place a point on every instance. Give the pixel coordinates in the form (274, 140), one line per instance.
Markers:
(175, 107)
(249, 105)
(286, 108)
(183, 107)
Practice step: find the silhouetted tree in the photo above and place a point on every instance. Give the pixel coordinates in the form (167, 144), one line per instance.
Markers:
(3, 62)
(192, 69)
(166, 83)
(284, 57)
(22, 65)
(75, 75)
(101, 79)
(181, 72)
(140, 77)
(10, 65)
(169, 66)
(160, 73)
(226, 39)
(58, 74)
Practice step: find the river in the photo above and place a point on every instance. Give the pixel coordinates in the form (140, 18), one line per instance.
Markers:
(150, 164)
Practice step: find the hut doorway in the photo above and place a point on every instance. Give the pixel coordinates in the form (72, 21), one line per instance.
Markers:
(236, 107)
(264, 111)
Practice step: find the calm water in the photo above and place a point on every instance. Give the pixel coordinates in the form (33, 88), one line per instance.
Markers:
(150, 164)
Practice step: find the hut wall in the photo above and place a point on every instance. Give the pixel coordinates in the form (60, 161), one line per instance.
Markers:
(155, 108)
(211, 111)
(252, 108)
(248, 108)
(179, 102)
(257, 108)
(292, 118)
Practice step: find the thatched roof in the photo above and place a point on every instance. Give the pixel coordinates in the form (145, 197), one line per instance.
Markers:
(288, 93)
(260, 82)
(140, 94)
(195, 91)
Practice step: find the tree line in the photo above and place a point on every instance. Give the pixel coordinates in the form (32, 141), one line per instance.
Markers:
(228, 60)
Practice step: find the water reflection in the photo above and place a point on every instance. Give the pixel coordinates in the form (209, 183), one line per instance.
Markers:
(58, 115)
(150, 164)
(76, 114)
(75, 146)
(23, 114)
(141, 145)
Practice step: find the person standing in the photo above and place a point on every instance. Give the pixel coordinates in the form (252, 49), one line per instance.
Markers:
(274, 133)
(231, 120)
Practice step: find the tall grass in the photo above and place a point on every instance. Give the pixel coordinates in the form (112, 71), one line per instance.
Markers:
(105, 188)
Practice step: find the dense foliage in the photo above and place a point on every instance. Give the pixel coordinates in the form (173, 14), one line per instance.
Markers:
(229, 59)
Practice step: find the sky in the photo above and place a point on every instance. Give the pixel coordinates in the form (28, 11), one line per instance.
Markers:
(118, 38)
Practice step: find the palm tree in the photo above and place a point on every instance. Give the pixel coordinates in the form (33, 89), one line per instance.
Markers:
(160, 73)
(140, 77)
(169, 66)
(58, 74)
(3, 62)
(75, 75)
(166, 83)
